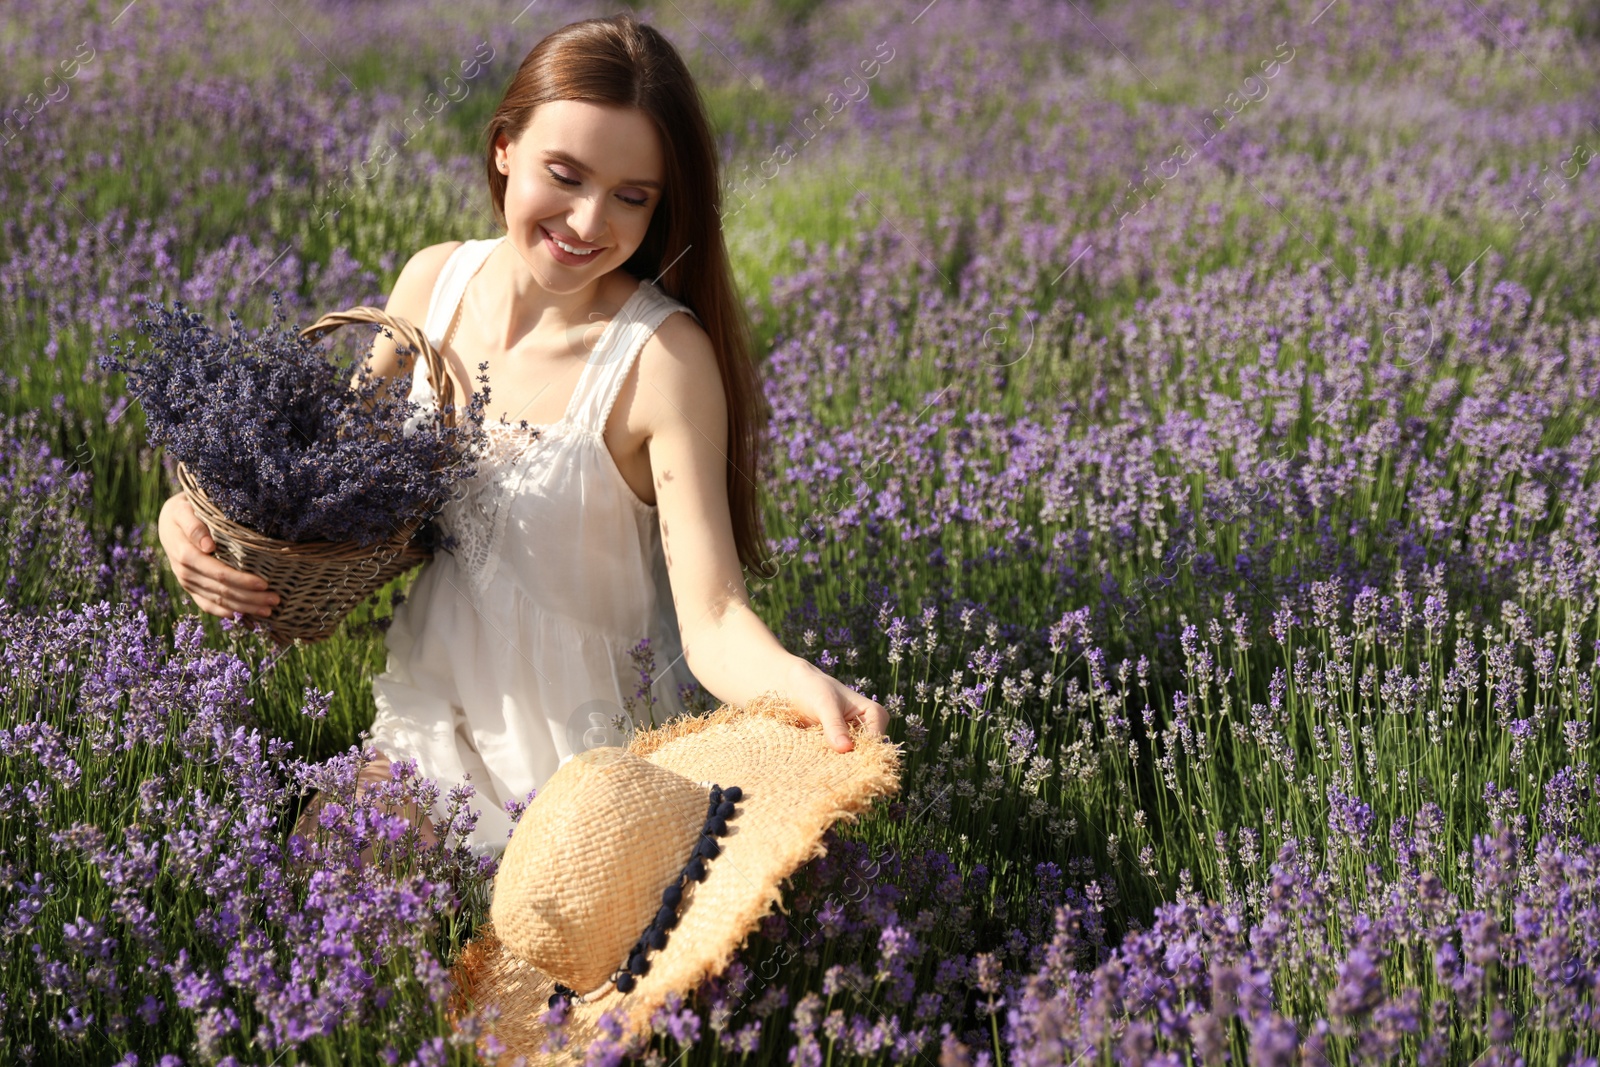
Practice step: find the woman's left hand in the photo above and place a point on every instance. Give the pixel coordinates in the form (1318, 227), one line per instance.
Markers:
(823, 699)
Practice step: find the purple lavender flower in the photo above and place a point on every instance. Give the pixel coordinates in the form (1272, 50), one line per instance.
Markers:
(1360, 987)
(279, 437)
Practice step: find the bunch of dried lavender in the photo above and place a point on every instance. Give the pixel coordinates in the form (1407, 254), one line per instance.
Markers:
(284, 439)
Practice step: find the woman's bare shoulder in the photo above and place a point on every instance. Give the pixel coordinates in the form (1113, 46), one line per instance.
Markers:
(679, 365)
(413, 288)
(409, 299)
(679, 347)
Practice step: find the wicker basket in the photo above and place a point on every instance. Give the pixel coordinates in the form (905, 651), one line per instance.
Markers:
(320, 582)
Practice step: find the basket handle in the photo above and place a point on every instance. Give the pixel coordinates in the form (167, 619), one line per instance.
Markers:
(406, 332)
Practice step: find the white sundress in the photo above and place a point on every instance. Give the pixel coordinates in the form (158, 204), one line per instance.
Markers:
(511, 653)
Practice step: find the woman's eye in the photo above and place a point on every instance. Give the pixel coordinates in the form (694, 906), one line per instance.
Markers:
(564, 180)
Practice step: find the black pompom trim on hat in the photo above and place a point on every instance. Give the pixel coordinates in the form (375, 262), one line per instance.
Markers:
(719, 809)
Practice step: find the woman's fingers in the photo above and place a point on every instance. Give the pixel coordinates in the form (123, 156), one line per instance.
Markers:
(232, 588)
(829, 702)
(201, 573)
(209, 606)
(195, 530)
(871, 715)
(835, 730)
(856, 710)
(215, 607)
(228, 597)
(216, 587)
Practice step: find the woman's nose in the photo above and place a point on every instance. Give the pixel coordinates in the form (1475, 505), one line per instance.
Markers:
(588, 220)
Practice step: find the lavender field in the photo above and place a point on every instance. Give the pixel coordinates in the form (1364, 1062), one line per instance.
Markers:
(1186, 421)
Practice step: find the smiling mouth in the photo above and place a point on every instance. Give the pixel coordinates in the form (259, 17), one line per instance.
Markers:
(567, 247)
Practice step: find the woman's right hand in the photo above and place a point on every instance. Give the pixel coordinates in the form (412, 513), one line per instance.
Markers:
(216, 587)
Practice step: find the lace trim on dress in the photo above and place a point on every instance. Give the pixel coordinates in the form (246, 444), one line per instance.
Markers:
(476, 513)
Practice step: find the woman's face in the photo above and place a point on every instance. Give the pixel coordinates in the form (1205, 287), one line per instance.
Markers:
(588, 175)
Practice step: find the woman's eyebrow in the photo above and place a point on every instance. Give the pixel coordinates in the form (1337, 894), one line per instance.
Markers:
(556, 153)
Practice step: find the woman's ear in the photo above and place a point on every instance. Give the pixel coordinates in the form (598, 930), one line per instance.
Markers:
(502, 153)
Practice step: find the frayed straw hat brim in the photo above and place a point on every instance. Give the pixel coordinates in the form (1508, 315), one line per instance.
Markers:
(795, 787)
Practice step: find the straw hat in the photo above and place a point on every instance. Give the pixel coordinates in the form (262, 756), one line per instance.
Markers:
(638, 872)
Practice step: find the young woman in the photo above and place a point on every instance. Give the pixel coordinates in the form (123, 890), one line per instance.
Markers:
(619, 502)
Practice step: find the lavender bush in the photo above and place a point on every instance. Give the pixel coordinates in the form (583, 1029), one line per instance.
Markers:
(52, 553)
(282, 440)
(151, 897)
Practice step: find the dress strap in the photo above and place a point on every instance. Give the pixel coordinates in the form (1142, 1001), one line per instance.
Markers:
(608, 365)
(448, 289)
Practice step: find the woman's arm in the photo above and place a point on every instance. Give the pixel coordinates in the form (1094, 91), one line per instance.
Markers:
(409, 300)
(729, 649)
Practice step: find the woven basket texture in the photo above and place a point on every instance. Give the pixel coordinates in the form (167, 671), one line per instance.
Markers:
(320, 582)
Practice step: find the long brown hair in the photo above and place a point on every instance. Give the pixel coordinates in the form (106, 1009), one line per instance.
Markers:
(620, 61)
